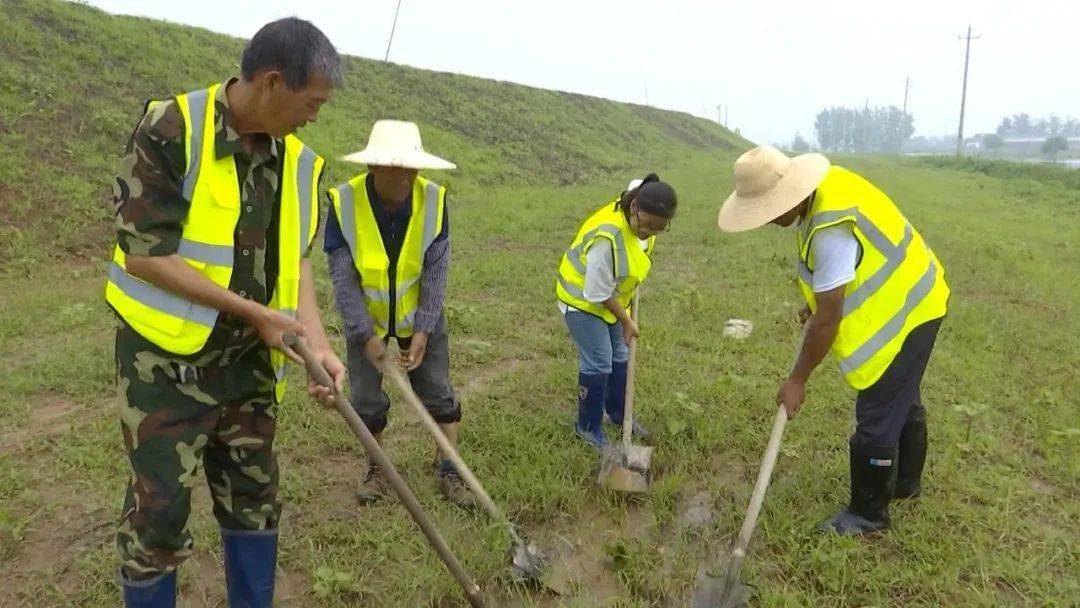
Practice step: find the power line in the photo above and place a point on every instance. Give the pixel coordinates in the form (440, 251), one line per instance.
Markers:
(393, 28)
(963, 94)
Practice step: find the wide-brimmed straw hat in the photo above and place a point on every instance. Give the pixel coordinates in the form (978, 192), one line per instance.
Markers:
(768, 184)
(396, 143)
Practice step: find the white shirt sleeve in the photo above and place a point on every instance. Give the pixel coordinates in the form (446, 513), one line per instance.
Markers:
(834, 253)
(599, 271)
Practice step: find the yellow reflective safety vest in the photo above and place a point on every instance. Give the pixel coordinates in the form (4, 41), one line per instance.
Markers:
(213, 189)
(389, 297)
(632, 264)
(899, 283)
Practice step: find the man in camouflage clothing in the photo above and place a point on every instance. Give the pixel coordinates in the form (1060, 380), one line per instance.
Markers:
(214, 407)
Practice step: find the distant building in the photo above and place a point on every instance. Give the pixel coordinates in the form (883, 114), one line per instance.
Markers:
(1019, 146)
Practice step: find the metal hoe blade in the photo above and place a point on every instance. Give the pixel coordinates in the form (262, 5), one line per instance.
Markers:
(527, 562)
(721, 591)
(626, 468)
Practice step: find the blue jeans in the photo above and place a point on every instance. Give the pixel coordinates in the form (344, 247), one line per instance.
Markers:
(599, 344)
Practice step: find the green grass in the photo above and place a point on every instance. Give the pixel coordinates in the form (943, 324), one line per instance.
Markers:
(73, 81)
(996, 525)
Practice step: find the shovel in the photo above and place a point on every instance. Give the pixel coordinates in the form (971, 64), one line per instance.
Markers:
(625, 468)
(527, 562)
(404, 494)
(727, 591)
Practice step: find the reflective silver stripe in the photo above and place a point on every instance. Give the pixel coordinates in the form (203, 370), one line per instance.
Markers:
(574, 256)
(288, 311)
(571, 289)
(218, 255)
(574, 253)
(159, 299)
(895, 325)
(893, 260)
(279, 373)
(431, 214)
(304, 185)
(197, 106)
(868, 228)
(622, 263)
(347, 204)
(377, 296)
(404, 287)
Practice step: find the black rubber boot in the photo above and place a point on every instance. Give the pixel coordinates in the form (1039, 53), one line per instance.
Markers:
(873, 475)
(912, 455)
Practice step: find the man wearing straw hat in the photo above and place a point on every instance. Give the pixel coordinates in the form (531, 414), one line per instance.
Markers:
(876, 295)
(388, 243)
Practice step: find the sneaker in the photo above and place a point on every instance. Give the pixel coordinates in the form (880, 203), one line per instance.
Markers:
(374, 487)
(455, 491)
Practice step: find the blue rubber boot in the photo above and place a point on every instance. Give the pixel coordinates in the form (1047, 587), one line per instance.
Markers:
(615, 403)
(591, 389)
(250, 562)
(157, 592)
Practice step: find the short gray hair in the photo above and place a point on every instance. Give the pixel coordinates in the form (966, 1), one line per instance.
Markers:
(294, 47)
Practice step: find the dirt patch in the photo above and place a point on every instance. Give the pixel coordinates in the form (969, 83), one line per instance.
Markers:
(52, 541)
(697, 511)
(481, 377)
(578, 564)
(50, 416)
(344, 472)
(7, 195)
(733, 475)
(289, 588)
(1042, 486)
(203, 581)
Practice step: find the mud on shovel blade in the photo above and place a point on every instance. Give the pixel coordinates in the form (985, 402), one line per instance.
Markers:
(527, 561)
(404, 494)
(626, 467)
(727, 591)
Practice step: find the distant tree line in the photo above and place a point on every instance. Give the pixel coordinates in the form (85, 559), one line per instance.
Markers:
(865, 130)
(1023, 125)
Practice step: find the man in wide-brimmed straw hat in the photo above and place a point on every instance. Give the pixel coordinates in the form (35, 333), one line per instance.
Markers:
(876, 296)
(388, 241)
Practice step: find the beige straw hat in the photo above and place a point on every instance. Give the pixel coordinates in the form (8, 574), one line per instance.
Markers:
(768, 184)
(396, 143)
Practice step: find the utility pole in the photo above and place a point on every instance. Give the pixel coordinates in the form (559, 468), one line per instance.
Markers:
(720, 113)
(963, 94)
(393, 28)
(907, 86)
(727, 114)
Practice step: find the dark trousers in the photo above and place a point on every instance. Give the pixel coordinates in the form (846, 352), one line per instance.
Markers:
(431, 381)
(882, 409)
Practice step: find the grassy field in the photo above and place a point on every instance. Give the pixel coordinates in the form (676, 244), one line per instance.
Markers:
(996, 525)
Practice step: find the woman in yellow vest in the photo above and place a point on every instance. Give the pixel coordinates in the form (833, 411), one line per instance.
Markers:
(607, 260)
(876, 295)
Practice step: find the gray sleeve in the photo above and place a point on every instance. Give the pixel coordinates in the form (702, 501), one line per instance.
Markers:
(599, 272)
(349, 297)
(433, 286)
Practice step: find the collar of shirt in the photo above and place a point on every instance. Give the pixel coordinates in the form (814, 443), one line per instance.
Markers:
(227, 141)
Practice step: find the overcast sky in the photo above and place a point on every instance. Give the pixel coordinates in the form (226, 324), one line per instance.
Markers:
(773, 64)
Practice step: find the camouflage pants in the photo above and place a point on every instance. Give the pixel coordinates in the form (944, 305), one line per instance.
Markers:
(176, 419)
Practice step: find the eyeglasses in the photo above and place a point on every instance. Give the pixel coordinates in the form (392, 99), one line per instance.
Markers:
(648, 229)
